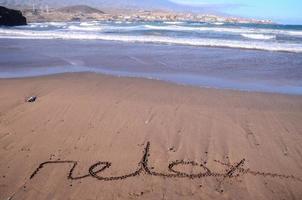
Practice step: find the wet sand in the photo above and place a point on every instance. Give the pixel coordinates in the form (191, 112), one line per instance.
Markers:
(223, 68)
(154, 140)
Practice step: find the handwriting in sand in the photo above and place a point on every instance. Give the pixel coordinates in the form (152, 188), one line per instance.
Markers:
(233, 170)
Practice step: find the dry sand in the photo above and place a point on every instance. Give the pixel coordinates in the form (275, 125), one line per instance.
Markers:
(88, 118)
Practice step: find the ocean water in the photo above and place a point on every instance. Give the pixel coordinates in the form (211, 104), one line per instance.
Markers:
(249, 57)
(247, 36)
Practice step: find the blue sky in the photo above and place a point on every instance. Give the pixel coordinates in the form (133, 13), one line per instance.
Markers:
(283, 11)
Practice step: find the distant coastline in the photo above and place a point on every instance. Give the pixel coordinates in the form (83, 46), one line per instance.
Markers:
(87, 13)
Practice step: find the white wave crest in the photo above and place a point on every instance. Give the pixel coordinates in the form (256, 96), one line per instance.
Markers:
(258, 36)
(57, 23)
(218, 23)
(199, 29)
(72, 35)
(85, 28)
(254, 33)
(171, 22)
(294, 33)
(251, 33)
(35, 25)
(225, 30)
(88, 23)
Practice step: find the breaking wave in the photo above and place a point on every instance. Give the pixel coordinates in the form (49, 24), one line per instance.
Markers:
(224, 30)
(270, 37)
(258, 36)
(74, 35)
(85, 28)
(171, 22)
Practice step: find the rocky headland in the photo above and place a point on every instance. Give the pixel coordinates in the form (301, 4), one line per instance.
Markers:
(10, 17)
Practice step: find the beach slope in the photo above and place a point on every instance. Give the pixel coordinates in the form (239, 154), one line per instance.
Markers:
(103, 137)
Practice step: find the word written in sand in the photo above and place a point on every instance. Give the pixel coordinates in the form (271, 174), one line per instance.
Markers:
(234, 170)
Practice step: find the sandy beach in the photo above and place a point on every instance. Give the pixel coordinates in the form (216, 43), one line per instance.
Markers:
(91, 136)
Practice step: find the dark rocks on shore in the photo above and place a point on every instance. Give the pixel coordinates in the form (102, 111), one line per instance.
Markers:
(10, 17)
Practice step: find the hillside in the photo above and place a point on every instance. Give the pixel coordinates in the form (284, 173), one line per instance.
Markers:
(80, 9)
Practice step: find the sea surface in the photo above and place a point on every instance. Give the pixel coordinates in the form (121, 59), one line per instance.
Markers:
(246, 36)
(251, 57)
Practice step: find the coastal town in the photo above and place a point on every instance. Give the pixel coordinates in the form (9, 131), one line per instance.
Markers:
(86, 13)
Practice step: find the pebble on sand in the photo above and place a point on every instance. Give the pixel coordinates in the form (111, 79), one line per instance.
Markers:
(31, 99)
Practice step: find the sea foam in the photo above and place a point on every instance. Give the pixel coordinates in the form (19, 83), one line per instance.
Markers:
(173, 33)
(259, 36)
(74, 35)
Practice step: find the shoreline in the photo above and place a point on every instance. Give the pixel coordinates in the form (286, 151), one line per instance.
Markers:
(141, 78)
(181, 65)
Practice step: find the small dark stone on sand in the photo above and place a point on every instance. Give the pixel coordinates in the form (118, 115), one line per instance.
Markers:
(31, 99)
